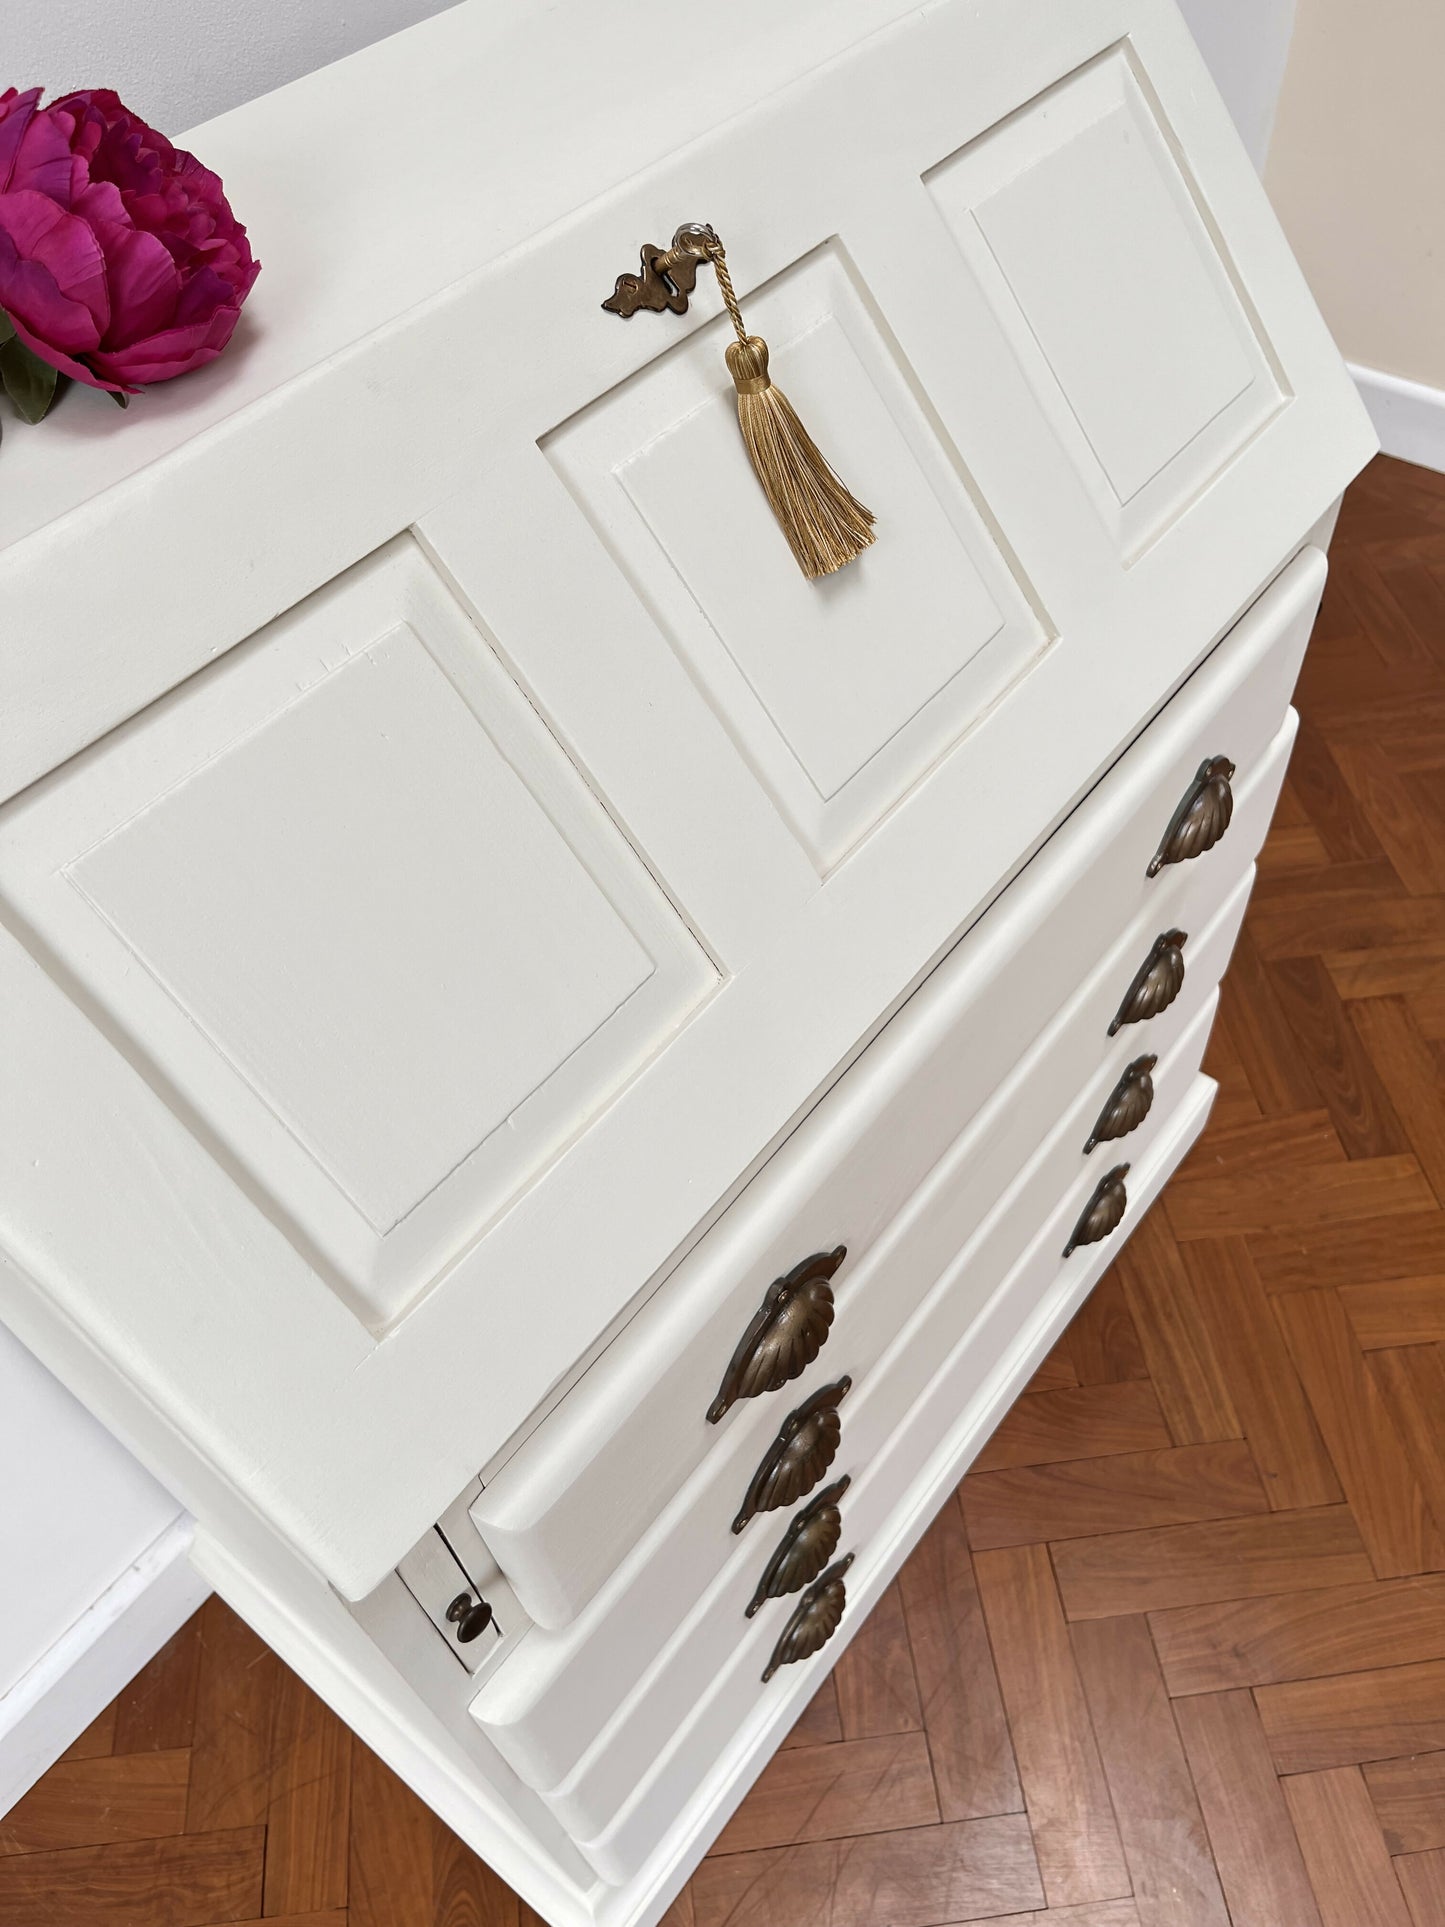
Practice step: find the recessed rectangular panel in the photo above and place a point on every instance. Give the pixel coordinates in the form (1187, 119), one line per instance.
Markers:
(842, 687)
(421, 949)
(353, 907)
(1071, 235)
(1084, 230)
(843, 691)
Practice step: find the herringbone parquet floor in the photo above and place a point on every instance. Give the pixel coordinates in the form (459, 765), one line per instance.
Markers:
(1175, 1657)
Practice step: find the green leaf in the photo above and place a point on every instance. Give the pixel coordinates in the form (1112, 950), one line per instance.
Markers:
(7, 327)
(29, 381)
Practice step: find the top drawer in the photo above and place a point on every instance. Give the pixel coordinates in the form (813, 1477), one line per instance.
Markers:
(571, 1502)
(547, 840)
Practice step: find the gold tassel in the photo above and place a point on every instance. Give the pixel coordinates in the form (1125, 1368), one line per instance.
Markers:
(827, 527)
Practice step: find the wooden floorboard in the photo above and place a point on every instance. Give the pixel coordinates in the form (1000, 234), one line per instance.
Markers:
(1313, 1724)
(1075, 1836)
(1422, 1875)
(1349, 1865)
(969, 1746)
(1409, 1800)
(875, 1682)
(1175, 1654)
(1300, 1635)
(1261, 1868)
(1171, 1867)
(836, 1792)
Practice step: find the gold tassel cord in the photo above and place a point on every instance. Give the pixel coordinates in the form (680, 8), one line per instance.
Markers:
(826, 525)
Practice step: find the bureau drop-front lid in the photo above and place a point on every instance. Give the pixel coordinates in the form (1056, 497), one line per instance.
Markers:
(449, 840)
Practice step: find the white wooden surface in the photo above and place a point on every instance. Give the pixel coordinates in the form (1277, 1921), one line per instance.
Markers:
(410, 949)
(551, 1701)
(564, 1510)
(93, 1568)
(446, 851)
(1138, 305)
(64, 1469)
(836, 727)
(383, 226)
(228, 1147)
(699, 1780)
(643, 1768)
(711, 1661)
(95, 1655)
(152, 60)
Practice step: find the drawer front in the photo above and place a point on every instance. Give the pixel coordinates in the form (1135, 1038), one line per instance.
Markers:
(708, 1682)
(545, 1707)
(570, 1503)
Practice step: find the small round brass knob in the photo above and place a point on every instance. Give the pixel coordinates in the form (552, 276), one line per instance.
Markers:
(471, 1617)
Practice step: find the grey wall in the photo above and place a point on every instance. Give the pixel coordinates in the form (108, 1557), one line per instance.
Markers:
(178, 62)
(1246, 43)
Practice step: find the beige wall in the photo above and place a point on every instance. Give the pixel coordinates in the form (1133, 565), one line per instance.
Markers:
(1356, 170)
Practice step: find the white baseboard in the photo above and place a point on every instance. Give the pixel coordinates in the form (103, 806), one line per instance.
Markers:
(52, 1704)
(1409, 418)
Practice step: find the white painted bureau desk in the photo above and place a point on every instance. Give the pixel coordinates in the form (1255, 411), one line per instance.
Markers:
(557, 1075)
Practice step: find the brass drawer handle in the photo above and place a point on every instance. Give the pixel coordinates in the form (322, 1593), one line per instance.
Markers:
(787, 1332)
(804, 1549)
(806, 1445)
(1104, 1212)
(1158, 981)
(1202, 817)
(1129, 1103)
(816, 1618)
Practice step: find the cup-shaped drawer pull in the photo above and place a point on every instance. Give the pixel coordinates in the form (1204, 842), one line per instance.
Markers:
(806, 1445)
(1104, 1212)
(1202, 817)
(804, 1549)
(1129, 1103)
(1157, 982)
(816, 1618)
(788, 1330)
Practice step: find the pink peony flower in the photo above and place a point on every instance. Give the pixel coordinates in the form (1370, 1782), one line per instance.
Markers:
(120, 259)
